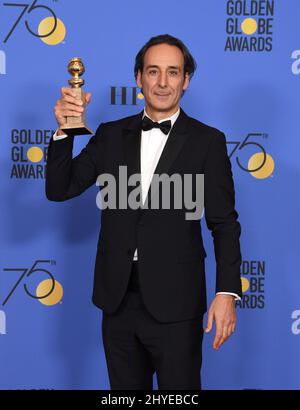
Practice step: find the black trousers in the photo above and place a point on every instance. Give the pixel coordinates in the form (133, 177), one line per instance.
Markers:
(136, 345)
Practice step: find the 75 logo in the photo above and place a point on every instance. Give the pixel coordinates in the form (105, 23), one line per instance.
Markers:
(241, 145)
(260, 164)
(48, 292)
(30, 9)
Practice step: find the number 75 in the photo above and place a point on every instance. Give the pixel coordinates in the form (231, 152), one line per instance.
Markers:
(247, 143)
(32, 8)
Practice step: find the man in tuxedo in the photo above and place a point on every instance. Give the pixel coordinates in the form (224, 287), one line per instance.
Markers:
(149, 276)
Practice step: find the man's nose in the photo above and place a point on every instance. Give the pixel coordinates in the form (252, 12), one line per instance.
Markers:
(162, 81)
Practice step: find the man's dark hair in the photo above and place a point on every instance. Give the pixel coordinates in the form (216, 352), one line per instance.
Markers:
(189, 62)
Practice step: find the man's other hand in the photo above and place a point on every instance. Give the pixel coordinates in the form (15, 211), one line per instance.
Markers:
(222, 311)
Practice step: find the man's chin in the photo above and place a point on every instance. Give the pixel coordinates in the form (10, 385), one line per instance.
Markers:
(162, 107)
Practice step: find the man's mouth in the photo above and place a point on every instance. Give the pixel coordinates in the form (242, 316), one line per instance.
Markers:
(162, 95)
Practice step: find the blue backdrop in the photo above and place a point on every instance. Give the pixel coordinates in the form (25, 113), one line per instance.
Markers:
(246, 84)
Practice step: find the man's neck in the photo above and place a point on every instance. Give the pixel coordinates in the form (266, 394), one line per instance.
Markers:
(160, 115)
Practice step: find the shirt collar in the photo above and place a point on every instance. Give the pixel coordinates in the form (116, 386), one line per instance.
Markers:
(173, 117)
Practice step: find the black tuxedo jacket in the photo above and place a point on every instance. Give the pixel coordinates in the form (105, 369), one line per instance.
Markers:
(170, 248)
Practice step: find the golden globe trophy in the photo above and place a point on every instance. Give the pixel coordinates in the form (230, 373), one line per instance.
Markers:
(76, 125)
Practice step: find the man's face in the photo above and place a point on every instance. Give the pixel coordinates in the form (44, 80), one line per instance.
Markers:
(162, 79)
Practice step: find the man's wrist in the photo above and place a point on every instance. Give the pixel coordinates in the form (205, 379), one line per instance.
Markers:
(59, 132)
(235, 296)
(59, 136)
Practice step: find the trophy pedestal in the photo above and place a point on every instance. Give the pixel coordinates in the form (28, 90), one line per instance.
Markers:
(77, 130)
(77, 125)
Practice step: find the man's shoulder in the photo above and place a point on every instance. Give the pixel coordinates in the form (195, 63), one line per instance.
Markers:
(122, 122)
(204, 128)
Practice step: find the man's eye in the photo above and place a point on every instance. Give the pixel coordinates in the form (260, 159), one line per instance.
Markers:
(173, 72)
(152, 71)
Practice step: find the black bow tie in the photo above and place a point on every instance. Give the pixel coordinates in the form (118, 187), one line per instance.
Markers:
(148, 124)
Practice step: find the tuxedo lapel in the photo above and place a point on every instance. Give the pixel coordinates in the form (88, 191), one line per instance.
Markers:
(132, 145)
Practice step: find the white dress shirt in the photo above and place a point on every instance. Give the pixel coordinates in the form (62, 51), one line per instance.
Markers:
(152, 145)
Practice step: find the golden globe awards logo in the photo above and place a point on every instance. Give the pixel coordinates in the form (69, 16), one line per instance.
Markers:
(35, 282)
(29, 153)
(253, 285)
(249, 25)
(251, 155)
(50, 30)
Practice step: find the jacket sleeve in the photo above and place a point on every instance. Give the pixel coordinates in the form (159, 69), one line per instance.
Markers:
(221, 216)
(67, 177)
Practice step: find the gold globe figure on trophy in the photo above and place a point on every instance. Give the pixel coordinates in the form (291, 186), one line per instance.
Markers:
(77, 125)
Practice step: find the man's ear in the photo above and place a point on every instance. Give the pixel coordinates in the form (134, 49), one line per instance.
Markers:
(138, 79)
(186, 81)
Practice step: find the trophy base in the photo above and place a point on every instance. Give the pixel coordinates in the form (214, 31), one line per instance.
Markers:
(72, 131)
